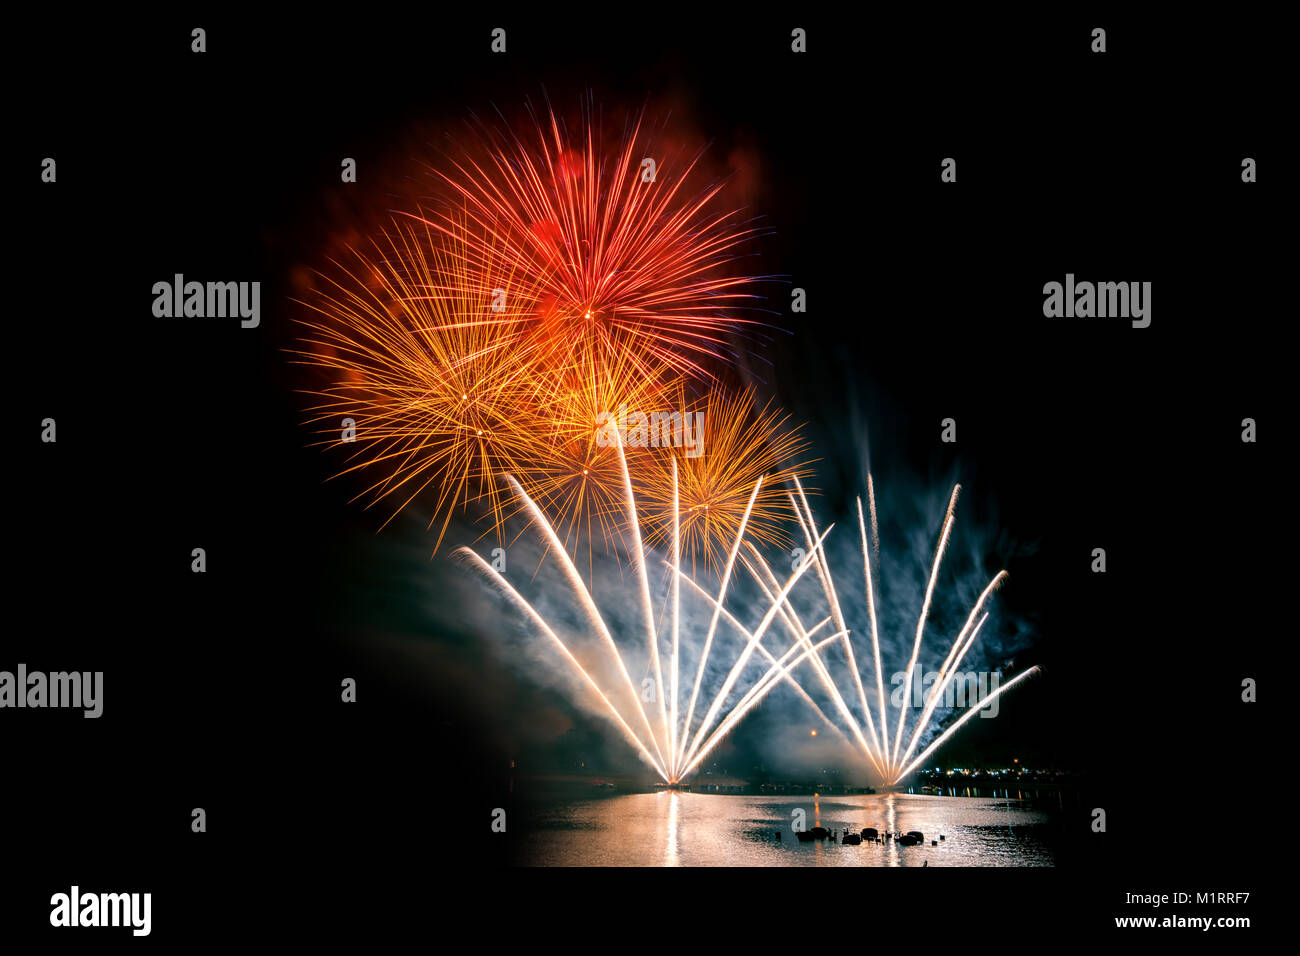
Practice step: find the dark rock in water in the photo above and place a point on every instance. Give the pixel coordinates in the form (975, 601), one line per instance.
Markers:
(805, 836)
(869, 834)
(852, 839)
(917, 835)
(934, 843)
(820, 833)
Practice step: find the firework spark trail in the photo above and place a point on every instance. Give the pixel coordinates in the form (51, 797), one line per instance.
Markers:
(588, 605)
(753, 697)
(670, 759)
(639, 565)
(965, 717)
(713, 623)
(925, 607)
(871, 607)
(876, 750)
(749, 647)
(788, 619)
(871, 502)
(818, 665)
(940, 686)
(677, 604)
(828, 585)
(745, 633)
(955, 656)
(894, 767)
(500, 581)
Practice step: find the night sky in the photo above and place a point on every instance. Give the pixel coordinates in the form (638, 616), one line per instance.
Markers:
(925, 302)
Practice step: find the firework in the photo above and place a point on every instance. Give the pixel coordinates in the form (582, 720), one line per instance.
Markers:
(892, 761)
(737, 444)
(672, 743)
(447, 394)
(571, 470)
(624, 247)
(666, 734)
(436, 384)
(565, 273)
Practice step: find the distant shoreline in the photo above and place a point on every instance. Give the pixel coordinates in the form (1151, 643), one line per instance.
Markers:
(985, 788)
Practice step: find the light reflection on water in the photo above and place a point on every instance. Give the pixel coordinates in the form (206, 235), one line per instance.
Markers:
(674, 800)
(696, 829)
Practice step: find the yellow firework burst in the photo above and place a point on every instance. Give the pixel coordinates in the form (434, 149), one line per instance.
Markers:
(738, 443)
(573, 467)
(426, 360)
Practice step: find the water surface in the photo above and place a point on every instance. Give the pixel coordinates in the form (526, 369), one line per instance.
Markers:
(697, 829)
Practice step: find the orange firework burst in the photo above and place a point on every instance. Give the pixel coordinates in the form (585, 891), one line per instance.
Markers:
(739, 444)
(435, 382)
(572, 278)
(624, 250)
(573, 468)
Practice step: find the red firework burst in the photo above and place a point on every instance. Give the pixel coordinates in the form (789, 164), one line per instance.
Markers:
(624, 248)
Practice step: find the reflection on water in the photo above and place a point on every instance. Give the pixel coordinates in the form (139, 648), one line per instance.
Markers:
(695, 829)
(674, 799)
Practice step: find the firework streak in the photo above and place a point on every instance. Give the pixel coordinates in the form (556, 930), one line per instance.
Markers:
(892, 765)
(670, 740)
(659, 733)
(622, 249)
(560, 282)
(504, 348)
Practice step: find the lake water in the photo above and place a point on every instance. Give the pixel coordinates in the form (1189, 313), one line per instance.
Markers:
(696, 829)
